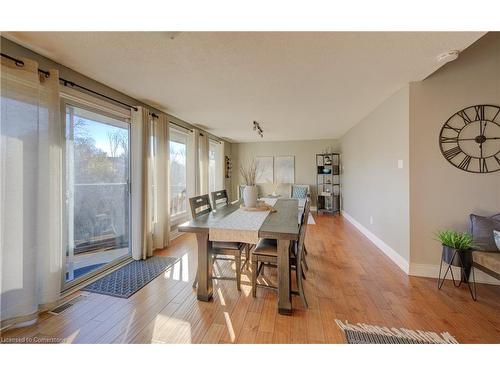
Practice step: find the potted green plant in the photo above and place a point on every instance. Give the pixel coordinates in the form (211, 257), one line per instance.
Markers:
(455, 242)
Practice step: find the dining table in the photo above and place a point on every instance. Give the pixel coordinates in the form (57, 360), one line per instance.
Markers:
(232, 222)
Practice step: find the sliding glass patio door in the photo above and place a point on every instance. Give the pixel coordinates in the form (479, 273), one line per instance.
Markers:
(97, 192)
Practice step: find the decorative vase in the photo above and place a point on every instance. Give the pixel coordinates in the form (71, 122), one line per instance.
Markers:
(250, 196)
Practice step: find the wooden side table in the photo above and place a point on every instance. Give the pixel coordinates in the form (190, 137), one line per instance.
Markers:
(463, 260)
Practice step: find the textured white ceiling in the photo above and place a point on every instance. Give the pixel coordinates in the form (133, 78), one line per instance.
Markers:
(298, 85)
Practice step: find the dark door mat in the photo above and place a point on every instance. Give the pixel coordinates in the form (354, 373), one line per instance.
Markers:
(128, 279)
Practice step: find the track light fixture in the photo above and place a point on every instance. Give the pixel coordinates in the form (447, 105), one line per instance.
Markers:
(258, 129)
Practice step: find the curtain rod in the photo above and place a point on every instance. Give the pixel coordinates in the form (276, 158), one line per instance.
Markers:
(65, 82)
(182, 126)
(212, 138)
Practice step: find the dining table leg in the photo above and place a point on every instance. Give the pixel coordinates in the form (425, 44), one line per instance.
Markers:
(205, 287)
(284, 295)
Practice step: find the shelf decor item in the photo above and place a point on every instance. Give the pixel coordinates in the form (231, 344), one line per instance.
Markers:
(249, 174)
(328, 182)
(457, 252)
(229, 167)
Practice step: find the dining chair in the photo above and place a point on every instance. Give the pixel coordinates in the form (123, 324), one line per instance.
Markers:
(304, 219)
(300, 191)
(219, 198)
(200, 205)
(265, 254)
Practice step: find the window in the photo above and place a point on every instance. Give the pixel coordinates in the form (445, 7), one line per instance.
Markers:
(215, 181)
(178, 175)
(97, 190)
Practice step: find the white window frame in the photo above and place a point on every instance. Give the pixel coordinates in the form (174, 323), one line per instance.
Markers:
(72, 97)
(180, 136)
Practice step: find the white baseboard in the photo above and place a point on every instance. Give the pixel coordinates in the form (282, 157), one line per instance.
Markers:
(414, 269)
(386, 249)
(432, 271)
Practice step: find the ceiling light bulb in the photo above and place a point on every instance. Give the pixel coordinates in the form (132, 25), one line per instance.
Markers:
(446, 57)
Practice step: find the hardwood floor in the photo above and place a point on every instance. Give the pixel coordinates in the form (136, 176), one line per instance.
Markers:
(348, 279)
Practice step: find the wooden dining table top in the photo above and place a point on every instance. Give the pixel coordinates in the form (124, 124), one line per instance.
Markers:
(281, 224)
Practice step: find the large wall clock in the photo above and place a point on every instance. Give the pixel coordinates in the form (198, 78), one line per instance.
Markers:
(470, 139)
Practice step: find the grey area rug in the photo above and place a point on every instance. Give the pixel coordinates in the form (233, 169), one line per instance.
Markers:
(130, 278)
(361, 333)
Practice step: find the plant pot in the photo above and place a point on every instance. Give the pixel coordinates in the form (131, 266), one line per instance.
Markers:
(462, 255)
(250, 196)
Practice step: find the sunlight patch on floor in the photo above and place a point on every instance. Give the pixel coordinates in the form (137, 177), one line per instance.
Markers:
(221, 297)
(176, 274)
(72, 337)
(229, 326)
(171, 330)
(185, 267)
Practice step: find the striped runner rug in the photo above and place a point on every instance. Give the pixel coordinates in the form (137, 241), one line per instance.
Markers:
(361, 333)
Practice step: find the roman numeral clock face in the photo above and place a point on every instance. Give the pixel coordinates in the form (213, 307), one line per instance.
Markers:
(470, 139)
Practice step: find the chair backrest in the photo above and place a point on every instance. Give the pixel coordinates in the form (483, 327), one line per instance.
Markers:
(299, 191)
(305, 215)
(219, 198)
(302, 230)
(200, 205)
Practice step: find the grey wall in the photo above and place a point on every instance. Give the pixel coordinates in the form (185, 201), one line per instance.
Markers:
(305, 160)
(410, 205)
(373, 185)
(443, 196)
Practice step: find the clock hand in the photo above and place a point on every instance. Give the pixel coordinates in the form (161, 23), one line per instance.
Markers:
(484, 128)
(473, 139)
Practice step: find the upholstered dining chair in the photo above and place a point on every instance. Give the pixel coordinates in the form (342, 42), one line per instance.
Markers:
(265, 254)
(200, 205)
(219, 198)
(300, 191)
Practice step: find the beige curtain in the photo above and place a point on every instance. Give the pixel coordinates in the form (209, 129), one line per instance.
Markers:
(31, 249)
(150, 196)
(162, 202)
(203, 163)
(142, 184)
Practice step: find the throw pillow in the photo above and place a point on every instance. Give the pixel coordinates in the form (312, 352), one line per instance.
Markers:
(496, 234)
(481, 229)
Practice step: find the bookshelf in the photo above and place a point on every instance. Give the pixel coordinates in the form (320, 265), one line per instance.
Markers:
(328, 183)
